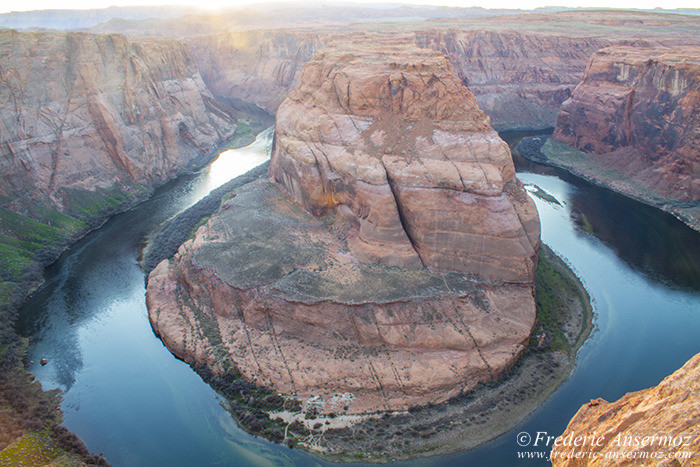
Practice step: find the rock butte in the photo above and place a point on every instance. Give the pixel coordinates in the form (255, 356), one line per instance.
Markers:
(392, 141)
(671, 409)
(395, 168)
(636, 111)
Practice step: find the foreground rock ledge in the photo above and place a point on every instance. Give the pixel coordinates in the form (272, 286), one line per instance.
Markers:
(332, 302)
(670, 412)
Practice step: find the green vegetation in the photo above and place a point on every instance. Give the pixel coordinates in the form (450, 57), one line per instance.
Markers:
(587, 226)
(33, 233)
(246, 131)
(250, 405)
(35, 449)
(555, 285)
(23, 238)
(88, 205)
(193, 231)
(30, 418)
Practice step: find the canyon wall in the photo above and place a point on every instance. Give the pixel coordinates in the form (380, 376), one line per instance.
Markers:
(259, 67)
(655, 426)
(519, 80)
(387, 262)
(636, 111)
(88, 125)
(85, 111)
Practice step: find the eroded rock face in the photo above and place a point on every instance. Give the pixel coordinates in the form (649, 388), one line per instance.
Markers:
(394, 167)
(389, 138)
(255, 66)
(275, 292)
(519, 80)
(87, 112)
(637, 111)
(662, 420)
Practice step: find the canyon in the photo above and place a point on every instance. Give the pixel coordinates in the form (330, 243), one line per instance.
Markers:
(519, 80)
(643, 426)
(390, 223)
(115, 113)
(90, 125)
(520, 67)
(328, 282)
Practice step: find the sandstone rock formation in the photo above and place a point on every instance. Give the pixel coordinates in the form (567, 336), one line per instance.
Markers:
(259, 67)
(519, 80)
(89, 124)
(520, 67)
(393, 141)
(654, 426)
(636, 111)
(395, 167)
(87, 112)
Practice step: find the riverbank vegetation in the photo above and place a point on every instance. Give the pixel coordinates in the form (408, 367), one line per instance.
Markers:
(32, 236)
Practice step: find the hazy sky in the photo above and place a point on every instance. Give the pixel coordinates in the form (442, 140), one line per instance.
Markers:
(6, 6)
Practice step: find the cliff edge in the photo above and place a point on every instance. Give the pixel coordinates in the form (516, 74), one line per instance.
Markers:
(655, 426)
(634, 120)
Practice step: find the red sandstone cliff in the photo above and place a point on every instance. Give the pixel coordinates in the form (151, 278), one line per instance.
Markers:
(519, 80)
(87, 112)
(259, 67)
(636, 111)
(393, 141)
(655, 426)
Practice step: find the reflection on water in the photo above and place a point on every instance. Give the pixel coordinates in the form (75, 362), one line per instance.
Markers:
(646, 238)
(129, 398)
(233, 161)
(649, 240)
(125, 394)
(95, 274)
(644, 329)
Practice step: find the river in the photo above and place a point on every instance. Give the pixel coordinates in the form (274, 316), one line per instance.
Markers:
(128, 398)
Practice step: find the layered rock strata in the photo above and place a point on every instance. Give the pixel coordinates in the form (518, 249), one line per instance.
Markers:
(655, 426)
(86, 112)
(259, 67)
(392, 141)
(636, 111)
(520, 80)
(394, 167)
(276, 293)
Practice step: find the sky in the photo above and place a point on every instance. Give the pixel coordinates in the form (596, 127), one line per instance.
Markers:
(6, 6)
